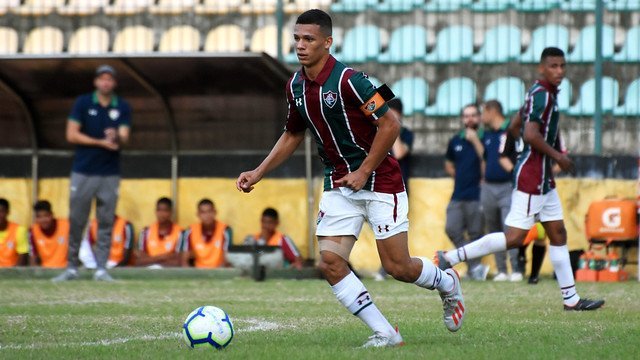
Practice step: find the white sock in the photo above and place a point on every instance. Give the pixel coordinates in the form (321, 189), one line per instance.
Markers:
(559, 256)
(488, 244)
(432, 277)
(351, 292)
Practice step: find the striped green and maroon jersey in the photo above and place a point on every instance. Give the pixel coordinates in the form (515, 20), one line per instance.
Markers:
(533, 173)
(340, 107)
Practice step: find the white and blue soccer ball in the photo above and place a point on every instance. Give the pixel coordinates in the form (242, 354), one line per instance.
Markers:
(208, 326)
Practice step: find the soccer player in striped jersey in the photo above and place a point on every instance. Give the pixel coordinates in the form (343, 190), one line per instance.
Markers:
(354, 131)
(535, 197)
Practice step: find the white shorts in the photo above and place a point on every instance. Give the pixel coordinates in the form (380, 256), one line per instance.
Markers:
(343, 212)
(527, 209)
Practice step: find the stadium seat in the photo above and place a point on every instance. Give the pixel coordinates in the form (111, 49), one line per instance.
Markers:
(225, 38)
(265, 40)
(585, 48)
(172, 7)
(398, 6)
(127, 7)
(407, 44)
(259, 7)
(452, 95)
(8, 41)
(89, 40)
(630, 52)
(493, 5)
(218, 7)
(537, 5)
(180, 38)
(134, 39)
(586, 104)
(353, 6)
(82, 7)
(446, 5)
(300, 6)
(5, 5)
(623, 5)
(509, 91)
(502, 44)
(546, 35)
(564, 96)
(37, 7)
(44, 40)
(374, 80)
(414, 93)
(453, 44)
(631, 106)
(361, 44)
(582, 5)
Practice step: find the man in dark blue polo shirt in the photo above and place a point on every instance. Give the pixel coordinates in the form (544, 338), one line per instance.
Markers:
(464, 163)
(495, 194)
(98, 125)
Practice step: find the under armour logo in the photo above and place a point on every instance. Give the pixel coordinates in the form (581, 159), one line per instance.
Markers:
(386, 228)
(298, 101)
(367, 298)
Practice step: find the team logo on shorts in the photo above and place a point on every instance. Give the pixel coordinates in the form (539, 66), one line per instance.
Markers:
(114, 114)
(330, 98)
(320, 216)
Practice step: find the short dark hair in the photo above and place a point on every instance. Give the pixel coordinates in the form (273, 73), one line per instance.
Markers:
(317, 17)
(206, 201)
(166, 201)
(42, 205)
(551, 51)
(4, 203)
(495, 105)
(473, 105)
(270, 212)
(395, 104)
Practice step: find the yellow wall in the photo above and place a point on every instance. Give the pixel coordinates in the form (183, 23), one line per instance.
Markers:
(428, 201)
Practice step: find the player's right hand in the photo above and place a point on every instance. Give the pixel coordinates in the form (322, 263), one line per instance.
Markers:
(246, 180)
(566, 164)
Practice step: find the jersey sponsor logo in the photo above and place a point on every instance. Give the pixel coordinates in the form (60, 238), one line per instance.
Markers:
(299, 101)
(330, 98)
(92, 112)
(114, 114)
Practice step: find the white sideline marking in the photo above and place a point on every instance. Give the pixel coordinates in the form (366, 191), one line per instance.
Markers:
(254, 325)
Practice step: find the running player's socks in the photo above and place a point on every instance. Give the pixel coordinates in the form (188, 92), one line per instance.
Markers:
(537, 256)
(559, 256)
(351, 292)
(488, 244)
(433, 278)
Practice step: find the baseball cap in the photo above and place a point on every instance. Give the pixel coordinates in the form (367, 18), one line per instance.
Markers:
(105, 69)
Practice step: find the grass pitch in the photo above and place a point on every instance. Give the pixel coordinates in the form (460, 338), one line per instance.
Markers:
(301, 319)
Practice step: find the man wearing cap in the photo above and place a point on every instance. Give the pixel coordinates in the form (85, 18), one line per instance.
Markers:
(98, 126)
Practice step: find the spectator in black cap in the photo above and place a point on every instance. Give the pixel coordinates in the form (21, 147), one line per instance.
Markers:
(99, 124)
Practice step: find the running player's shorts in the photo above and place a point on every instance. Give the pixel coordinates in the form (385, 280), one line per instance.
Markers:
(343, 212)
(527, 209)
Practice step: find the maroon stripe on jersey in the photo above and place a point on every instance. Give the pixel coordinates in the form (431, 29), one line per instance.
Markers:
(529, 205)
(531, 174)
(395, 207)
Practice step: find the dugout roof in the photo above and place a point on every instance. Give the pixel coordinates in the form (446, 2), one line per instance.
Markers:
(180, 103)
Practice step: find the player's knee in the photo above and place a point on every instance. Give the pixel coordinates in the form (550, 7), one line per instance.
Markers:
(398, 271)
(332, 265)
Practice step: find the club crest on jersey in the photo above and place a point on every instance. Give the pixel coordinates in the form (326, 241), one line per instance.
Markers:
(114, 114)
(330, 98)
(371, 106)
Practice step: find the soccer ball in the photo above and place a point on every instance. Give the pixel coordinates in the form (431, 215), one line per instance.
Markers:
(208, 326)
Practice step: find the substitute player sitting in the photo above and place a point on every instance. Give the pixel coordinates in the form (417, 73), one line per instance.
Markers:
(206, 242)
(122, 239)
(270, 236)
(159, 243)
(14, 246)
(49, 238)
(354, 132)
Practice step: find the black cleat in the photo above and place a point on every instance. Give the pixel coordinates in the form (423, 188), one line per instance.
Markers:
(441, 261)
(585, 305)
(533, 280)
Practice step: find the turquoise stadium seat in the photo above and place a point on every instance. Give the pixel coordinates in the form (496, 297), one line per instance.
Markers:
(581, 5)
(413, 92)
(452, 95)
(398, 6)
(374, 80)
(353, 6)
(546, 35)
(585, 48)
(509, 91)
(537, 5)
(623, 5)
(453, 44)
(361, 44)
(631, 106)
(586, 104)
(631, 50)
(493, 5)
(564, 96)
(446, 5)
(407, 44)
(502, 44)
